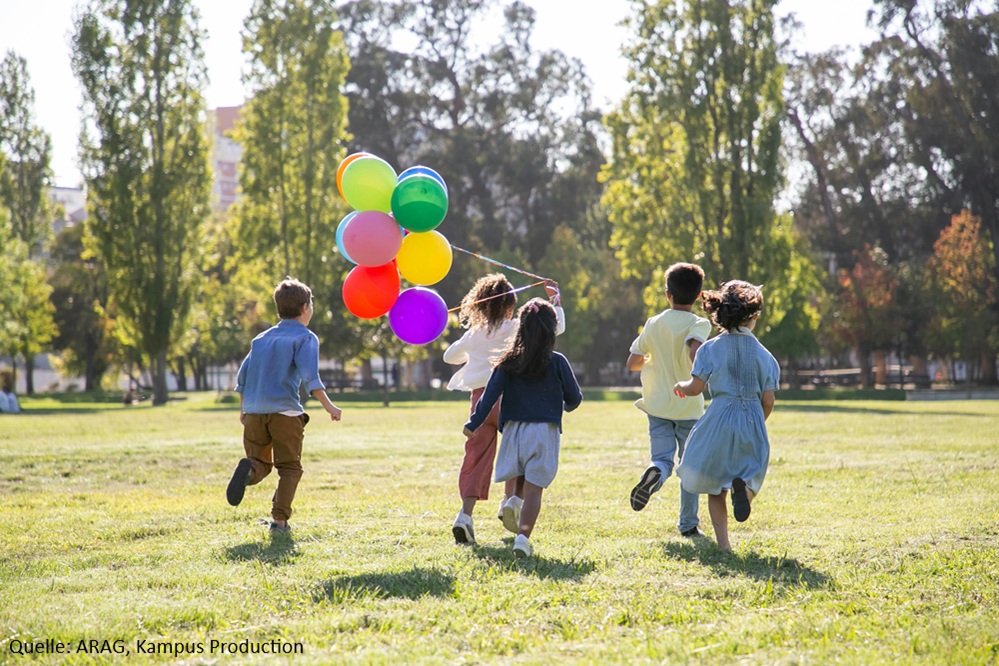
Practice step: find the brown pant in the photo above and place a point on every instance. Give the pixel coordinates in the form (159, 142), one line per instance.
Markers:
(480, 451)
(275, 440)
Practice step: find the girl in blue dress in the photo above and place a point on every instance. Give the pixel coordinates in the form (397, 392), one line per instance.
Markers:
(728, 449)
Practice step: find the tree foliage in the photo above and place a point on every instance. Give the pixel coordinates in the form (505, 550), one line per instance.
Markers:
(145, 160)
(293, 130)
(79, 294)
(962, 274)
(511, 128)
(696, 163)
(28, 152)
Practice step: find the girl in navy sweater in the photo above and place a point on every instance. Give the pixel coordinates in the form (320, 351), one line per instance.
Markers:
(537, 385)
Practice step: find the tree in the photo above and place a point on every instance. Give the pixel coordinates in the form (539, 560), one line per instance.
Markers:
(695, 165)
(865, 308)
(292, 131)
(964, 283)
(145, 160)
(28, 151)
(511, 128)
(79, 295)
(943, 63)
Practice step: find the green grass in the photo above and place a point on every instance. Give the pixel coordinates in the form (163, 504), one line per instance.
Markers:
(875, 541)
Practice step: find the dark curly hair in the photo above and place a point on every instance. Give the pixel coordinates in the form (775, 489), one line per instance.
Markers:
(733, 304)
(531, 350)
(488, 303)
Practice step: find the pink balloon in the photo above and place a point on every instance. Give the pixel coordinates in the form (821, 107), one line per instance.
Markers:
(372, 238)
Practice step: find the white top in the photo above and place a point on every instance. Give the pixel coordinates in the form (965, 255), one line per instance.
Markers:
(478, 349)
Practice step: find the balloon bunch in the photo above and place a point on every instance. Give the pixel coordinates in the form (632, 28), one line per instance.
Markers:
(391, 235)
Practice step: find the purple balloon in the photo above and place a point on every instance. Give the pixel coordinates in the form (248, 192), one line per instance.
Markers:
(419, 316)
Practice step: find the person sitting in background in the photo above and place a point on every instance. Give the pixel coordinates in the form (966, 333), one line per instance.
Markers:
(8, 401)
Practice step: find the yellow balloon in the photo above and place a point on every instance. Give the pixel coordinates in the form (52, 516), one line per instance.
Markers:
(424, 258)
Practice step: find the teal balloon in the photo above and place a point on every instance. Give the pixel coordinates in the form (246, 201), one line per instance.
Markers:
(419, 203)
(339, 235)
(368, 183)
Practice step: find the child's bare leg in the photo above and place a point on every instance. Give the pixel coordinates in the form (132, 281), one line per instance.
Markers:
(531, 509)
(468, 505)
(719, 519)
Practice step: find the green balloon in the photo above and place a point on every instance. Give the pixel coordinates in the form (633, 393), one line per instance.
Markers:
(368, 183)
(419, 203)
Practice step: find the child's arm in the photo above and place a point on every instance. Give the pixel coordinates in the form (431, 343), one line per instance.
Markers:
(768, 403)
(692, 346)
(635, 362)
(494, 389)
(331, 409)
(691, 387)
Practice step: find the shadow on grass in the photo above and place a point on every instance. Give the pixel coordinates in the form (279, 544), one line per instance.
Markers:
(846, 409)
(276, 550)
(781, 570)
(412, 584)
(542, 567)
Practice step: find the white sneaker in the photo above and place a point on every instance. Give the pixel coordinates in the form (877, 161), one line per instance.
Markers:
(511, 514)
(463, 531)
(522, 547)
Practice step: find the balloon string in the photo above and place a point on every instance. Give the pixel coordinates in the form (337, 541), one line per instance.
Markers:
(489, 298)
(499, 263)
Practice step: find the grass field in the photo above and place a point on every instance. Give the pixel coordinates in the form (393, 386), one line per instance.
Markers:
(875, 541)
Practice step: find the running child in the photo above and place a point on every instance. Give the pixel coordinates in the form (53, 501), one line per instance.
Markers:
(728, 448)
(537, 385)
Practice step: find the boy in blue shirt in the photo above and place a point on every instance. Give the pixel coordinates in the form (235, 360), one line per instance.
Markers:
(281, 359)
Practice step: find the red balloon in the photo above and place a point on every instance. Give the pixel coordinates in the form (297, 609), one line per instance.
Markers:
(371, 291)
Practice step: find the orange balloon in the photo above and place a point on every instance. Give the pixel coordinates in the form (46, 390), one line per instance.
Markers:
(343, 166)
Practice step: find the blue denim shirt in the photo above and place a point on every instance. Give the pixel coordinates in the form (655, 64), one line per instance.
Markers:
(280, 360)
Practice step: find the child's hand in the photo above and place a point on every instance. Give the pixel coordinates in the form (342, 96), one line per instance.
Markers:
(466, 432)
(551, 288)
(678, 390)
(334, 412)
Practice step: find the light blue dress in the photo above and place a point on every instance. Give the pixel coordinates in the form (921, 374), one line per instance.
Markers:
(730, 440)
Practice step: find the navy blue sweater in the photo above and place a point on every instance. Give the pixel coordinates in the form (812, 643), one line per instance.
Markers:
(530, 400)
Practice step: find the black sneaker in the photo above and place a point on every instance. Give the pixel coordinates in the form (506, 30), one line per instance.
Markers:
(278, 528)
(648, 484)
(237, 484)
(740, 500)
(693, 533)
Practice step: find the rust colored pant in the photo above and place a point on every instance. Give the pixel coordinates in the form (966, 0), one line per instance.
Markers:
(275, 440)
(480, 451)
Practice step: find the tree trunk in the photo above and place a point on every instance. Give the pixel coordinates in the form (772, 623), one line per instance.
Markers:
(864, 358)
(160, 392)
(29, 372)
(880, 368)
(989, 369)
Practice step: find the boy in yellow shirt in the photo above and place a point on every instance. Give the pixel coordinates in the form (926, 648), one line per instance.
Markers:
(664, 352)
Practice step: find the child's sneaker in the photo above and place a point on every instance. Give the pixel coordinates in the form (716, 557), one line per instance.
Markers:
(649, 483)
(740, 500)
(237, 484)
(511, 514)
(278, 528)
(463, 531)
(522, 547)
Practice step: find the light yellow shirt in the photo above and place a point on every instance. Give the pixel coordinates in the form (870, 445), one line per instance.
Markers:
(663, 343)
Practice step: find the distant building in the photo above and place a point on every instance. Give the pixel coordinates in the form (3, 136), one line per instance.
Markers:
(73, 204)
(225, 158)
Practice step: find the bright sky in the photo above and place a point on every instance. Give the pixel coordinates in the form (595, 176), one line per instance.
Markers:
(39, 31)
